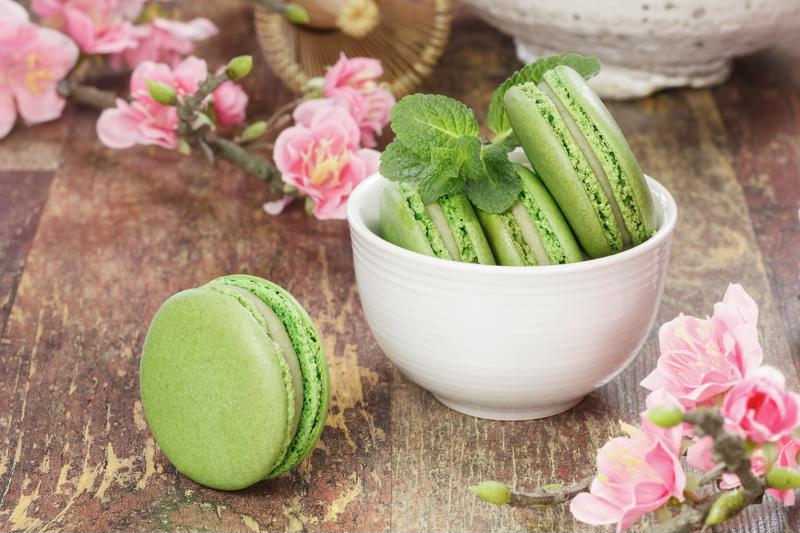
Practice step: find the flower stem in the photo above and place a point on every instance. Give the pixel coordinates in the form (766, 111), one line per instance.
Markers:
(250, 163)
(541, 496)
(86, 95)
(712, 475)
(193, 104)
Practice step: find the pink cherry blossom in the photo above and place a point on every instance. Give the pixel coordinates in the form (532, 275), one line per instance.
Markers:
(143, 120)
(353, 83)
(637, 474)
(164, 41)
(703, 358)
(760, 408)
(320, 157)
(314, 113)
(98, 26)
(32, 62)
(230, 103)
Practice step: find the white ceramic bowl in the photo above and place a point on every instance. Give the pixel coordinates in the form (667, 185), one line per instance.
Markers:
(645, 45)
(507, 343)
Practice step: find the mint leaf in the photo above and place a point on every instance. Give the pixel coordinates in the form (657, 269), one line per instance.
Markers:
(497, 186)
(425, 121)
(497, 119)
(448, 166)
(398, 163)
(445, 176)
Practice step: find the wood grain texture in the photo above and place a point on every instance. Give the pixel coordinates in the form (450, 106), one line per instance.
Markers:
(118, 232)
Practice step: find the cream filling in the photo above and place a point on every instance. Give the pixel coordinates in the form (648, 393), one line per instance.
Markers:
(440, 221)
(530, 233)
(591, 158)
(277, 332)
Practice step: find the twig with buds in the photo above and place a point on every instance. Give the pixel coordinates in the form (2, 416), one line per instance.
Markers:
(195, 128)
(730, 451)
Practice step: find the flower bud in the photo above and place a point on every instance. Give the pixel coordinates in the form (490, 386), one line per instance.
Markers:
(162, 93)
(492, 492)
(183, 147)
(253, 131)
(313, 87)
(297, 14)
(665, 416)
(783, 478)
(726, 506)
(239, 67)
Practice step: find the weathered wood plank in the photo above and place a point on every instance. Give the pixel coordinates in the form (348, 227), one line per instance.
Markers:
(761, 110)
(22, 196)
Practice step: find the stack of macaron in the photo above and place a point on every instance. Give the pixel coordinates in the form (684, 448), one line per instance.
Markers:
(234, 381)
(585, 197)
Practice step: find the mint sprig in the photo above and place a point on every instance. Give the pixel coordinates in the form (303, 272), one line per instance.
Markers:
(424, 121)
(438, 146)
(497, 119)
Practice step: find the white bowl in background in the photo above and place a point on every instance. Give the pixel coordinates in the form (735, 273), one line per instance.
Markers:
(501, 342)
(645, 45)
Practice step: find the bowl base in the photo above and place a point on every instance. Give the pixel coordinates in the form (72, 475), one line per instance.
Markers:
(509, 413)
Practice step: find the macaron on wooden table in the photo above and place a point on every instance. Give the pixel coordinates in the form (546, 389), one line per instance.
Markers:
(93, 241)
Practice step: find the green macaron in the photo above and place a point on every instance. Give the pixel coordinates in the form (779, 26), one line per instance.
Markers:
(234, 381)
(579, 152)
(447, 228)
(533, 231)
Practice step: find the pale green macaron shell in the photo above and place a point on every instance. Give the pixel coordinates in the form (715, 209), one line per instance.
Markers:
(447, 228)
(583, 158)
(234, 382)
(533, 231)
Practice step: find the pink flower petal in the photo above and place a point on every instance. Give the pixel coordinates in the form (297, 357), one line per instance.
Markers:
(276, 207)
(592, 510)
(117, 127)
(38, 108)
(194, 30)
(13, 12)
(8, 113)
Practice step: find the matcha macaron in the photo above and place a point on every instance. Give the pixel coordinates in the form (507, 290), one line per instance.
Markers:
(447, 228)
(533, 231)
(579, 152)
(234, 381)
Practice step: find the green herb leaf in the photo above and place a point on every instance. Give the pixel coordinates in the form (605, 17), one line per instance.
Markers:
(497, 119)
(398, 163)
(446, 176)
(425, 121)
(493, 183)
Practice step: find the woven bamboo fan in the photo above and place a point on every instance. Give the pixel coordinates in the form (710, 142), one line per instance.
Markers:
(408, 36)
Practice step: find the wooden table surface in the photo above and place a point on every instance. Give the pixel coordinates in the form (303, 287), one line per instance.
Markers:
(93, 240)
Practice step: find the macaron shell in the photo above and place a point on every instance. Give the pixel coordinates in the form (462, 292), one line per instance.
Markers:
(214, 391)
(467, 229)
(307, 343)
(502, 240)
(569, 248)
(399, 224)
(607, 127)
(552, 164)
